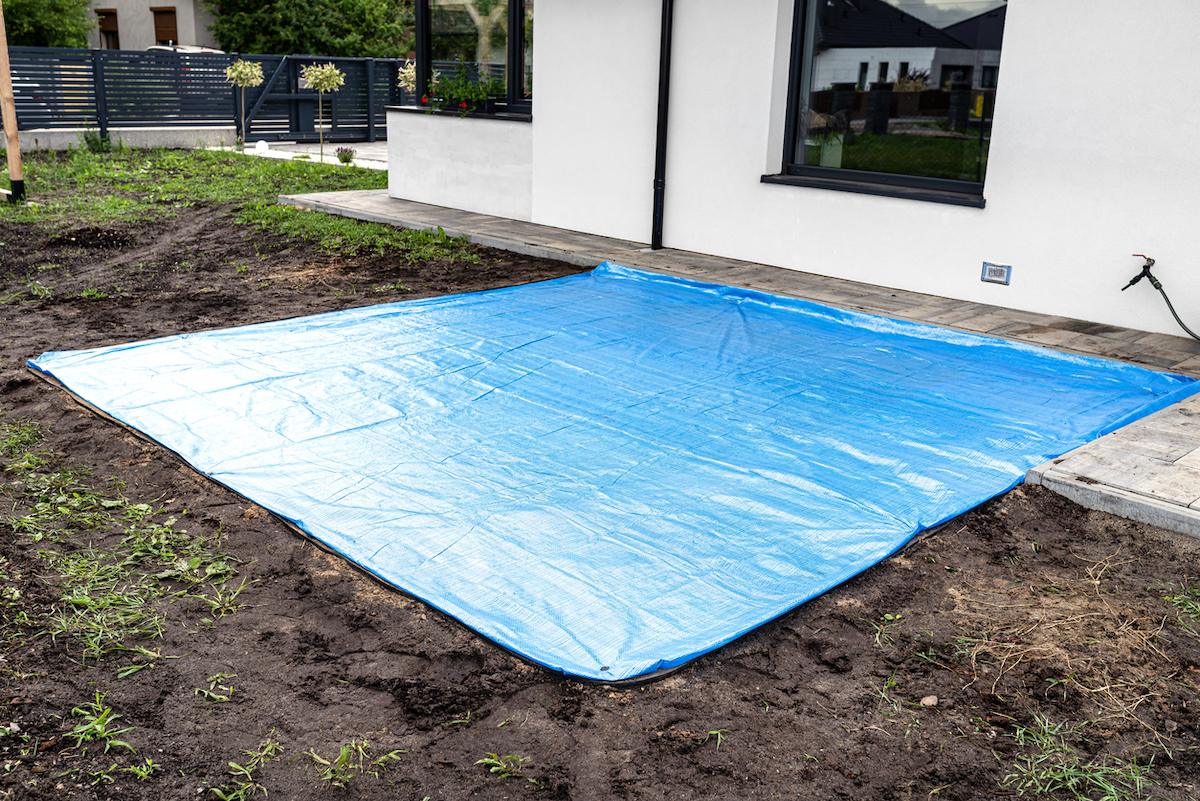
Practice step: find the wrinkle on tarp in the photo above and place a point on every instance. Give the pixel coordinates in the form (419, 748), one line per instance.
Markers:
(615, 472)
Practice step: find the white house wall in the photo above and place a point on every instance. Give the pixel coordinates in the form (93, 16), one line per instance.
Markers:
(1093, 155)
(1089, 163)
(595, 101)
(480, 165)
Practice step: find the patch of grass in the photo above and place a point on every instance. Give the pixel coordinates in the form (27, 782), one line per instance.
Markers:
(1187, 601)
(243, 784)
(396, 287)
(885, 634)
(17, 436)
(128, 185)
(97, 725)
(214, 684)
(143, 771)
(111, 595)
(1050, 766)
(353, 759)
(507, 767)
(39, 291)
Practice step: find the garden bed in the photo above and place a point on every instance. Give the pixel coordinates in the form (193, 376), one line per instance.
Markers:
(1026, 635)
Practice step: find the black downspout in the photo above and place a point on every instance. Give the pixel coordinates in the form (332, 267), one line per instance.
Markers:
(424, 62)
(660, 148)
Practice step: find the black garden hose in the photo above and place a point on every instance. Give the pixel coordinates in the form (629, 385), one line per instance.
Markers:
(1191, 333)
(1145, 273)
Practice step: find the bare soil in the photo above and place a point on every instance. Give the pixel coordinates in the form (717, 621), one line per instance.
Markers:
(1025, 611)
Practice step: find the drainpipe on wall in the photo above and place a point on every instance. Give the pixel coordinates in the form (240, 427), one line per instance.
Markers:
(660, 148)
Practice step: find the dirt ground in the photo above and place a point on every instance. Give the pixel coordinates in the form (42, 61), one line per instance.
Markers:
(1028, 636)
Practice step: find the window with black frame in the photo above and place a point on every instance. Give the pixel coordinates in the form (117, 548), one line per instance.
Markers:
(475, 55)
(923, 128)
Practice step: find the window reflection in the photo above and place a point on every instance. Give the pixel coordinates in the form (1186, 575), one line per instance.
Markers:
(901, 87)
(471, 40)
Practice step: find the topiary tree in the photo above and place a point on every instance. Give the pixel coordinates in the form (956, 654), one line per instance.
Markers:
(243, 74)
(324, 78)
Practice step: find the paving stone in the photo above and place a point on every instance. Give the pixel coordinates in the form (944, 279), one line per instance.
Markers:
(1168, 444)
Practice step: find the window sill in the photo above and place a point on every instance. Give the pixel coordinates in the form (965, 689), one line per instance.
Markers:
(866, 188)
(510, 116)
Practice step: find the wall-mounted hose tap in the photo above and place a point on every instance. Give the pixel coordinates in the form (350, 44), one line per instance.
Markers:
(1154, 282)
(1145, 273)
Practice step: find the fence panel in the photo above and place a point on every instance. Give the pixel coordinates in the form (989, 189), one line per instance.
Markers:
(67, 88)
(53, 87)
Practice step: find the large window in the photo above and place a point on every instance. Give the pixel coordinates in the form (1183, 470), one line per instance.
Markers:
(922, 130)
(485, 44)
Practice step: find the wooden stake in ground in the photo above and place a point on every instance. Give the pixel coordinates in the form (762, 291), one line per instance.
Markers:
(8, 114)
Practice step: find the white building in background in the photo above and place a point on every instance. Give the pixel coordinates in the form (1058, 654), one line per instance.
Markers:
(1080, 164)
(139, 24)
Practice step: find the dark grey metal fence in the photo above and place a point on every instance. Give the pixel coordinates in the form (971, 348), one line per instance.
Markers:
(102, 89)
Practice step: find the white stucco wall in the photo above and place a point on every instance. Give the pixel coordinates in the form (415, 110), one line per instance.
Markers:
(482, 165)
(1073, 187)
(1089, 162)
(595, 101)
(135, 22)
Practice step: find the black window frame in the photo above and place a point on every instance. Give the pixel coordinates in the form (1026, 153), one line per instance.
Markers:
(941, 190)
(514, 67)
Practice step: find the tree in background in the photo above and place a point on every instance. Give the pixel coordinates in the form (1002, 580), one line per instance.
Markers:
(48, 23)
(371, 28)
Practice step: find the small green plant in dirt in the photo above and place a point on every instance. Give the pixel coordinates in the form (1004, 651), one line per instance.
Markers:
(510, 766)
(143, 771)
(396, 287)
(1049, 766)
(97, 725)
(885, 629)
(94, 141)
(353, 759)
(888, 704)
(211, 694)
(39, 291)
(718, 735)
(104, 775)
(1186, 598)
(243, 784)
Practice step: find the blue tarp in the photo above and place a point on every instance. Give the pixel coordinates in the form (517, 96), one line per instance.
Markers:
(614, 472)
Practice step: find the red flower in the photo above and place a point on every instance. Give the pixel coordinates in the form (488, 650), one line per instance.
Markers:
(424, 98)
(462, 104)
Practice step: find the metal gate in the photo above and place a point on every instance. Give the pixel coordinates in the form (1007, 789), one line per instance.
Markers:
(283, 107)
